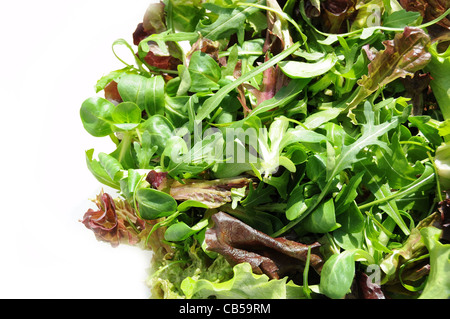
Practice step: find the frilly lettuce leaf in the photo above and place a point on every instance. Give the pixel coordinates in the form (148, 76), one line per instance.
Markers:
(402, 56)
(190, 261)
(243, 285)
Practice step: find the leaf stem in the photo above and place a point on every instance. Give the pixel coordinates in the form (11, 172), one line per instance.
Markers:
(306, 289)
(126, 141)
(438, 184)
(241, 53)
(402, 192)
(418, 144)
(380, 225)
(213, 102)
(114, 139)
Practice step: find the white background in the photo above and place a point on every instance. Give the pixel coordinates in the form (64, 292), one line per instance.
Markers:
(52, 52)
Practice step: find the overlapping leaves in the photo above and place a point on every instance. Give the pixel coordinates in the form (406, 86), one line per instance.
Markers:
(337, 155)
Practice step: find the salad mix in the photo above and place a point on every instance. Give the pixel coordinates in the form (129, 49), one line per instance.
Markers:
(280, 149)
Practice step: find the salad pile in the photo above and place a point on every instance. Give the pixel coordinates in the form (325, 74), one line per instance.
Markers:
(280, 149)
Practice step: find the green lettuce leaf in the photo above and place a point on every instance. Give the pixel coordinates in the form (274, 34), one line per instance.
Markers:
(243, 285)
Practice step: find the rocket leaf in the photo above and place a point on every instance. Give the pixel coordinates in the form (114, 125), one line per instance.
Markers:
(348, 156)
(370, 134)
(229, 21)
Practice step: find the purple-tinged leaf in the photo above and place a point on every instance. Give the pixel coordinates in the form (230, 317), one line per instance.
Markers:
(114, 221)
(275, 257)
(402, 56)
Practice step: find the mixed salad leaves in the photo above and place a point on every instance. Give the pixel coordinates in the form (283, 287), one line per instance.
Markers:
(280, 149)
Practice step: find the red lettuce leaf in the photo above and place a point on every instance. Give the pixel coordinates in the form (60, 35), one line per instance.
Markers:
(114, 222)
(112, 93)
(273, 80)
(402, 56)
(275, 257)
(154, 22)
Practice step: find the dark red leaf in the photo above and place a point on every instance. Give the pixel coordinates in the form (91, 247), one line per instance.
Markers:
(112, 93)
(415, 88)
(139, 34)
(164, 62)
(275, 257)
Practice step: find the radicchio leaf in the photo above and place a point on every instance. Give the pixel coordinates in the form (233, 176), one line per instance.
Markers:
(114, 221)
(403, 56)
(275, 257)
